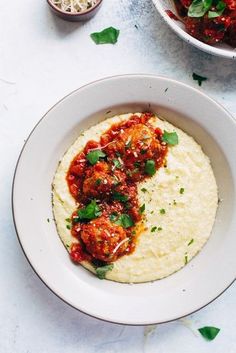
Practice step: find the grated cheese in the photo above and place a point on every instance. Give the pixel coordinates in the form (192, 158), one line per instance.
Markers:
(74, 5)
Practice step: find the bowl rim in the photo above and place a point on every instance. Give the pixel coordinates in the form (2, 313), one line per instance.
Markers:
(54, 7)
(230, 116)
(221, 52)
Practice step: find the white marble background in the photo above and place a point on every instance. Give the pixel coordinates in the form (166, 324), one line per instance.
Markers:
(42, 59)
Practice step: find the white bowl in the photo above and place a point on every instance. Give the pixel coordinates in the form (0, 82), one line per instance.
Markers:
(180, 294)
(221, 49)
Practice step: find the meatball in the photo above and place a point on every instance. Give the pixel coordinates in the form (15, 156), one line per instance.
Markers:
(104, 240)
(132, 138)
(100, 181)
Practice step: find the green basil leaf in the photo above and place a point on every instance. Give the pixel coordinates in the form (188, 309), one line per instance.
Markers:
(209, 332)
(199, 78)
(93, 156)
(171, 138)
(102, 271)
(199, 8)
(150, 167)
(107, 36)
(220, 7)
(120, 197)
(124, 220)
(91, 211)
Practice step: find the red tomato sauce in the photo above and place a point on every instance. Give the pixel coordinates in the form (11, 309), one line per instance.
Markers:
(215, 25)
(110, 183)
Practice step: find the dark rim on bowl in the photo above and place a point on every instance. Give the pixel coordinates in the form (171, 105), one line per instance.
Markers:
(54, 7)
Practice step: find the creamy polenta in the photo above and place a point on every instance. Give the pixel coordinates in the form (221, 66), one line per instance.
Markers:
(178, 204)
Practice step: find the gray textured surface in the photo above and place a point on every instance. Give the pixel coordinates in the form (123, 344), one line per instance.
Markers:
(42, 59)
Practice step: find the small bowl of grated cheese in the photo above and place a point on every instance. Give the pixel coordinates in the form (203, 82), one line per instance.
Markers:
(75, 10)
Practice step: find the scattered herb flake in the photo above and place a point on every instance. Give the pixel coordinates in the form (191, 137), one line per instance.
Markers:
(48, 220)
(91, 211)
(93, 156)
(107, 36)
(144, 190)
(181, 191)
(191, 241)
(159, 228)
(166, 89)
(68, 226)
(199, 78)
(209, 332)
(136, 26)
(98, 182)
(102, 271)
(162, 211)
(171, 138)
(68, 220)
(186, 259)
(153, 229)
(150, 167)
(142, 208)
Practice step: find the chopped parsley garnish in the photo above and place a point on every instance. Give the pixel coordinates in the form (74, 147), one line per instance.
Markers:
(166, 89)
(137, 164)
(162, 211)
(107, 36)
(150, 167)
(142, 208)
(124, 220)
(171, 138)
(199, 78)
(144, 190)
(209, 332)
(153, 229)
(117, 163)
(120, 197)
(113, 217)
(98, 182)
(68, 226)
(102, 271)
(93, 156)
(68, 220)
(128, 145)
(159, 228)
(143, 151)
(181, 191)
(174, 203)
(48, 220)
(91, 211)
(199, 8)
(186, 259)
(191, 241)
